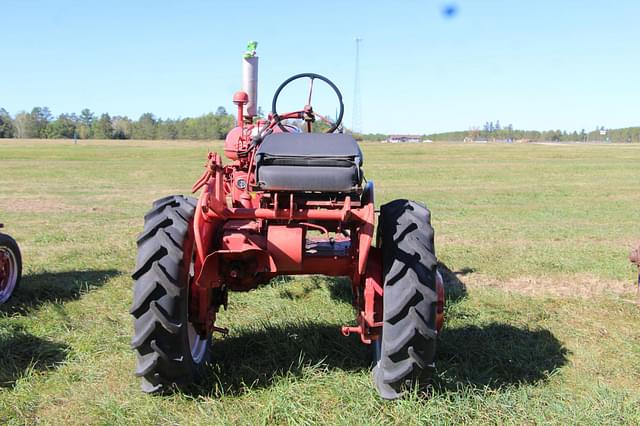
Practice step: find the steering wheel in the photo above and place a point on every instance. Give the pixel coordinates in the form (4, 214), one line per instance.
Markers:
(307, 114)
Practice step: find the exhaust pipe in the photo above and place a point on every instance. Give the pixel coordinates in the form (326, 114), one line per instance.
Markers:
(250, 79)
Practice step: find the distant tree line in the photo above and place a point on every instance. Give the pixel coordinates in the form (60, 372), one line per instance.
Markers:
(370, 136)
(40, 123)
(495, 131)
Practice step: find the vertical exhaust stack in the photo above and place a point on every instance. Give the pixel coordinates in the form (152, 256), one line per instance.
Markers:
(250, 79)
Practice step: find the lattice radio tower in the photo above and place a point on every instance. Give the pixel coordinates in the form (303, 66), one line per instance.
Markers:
(356, 119)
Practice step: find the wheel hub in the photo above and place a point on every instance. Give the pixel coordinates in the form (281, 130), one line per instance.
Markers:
(8, 273)
(4, 268)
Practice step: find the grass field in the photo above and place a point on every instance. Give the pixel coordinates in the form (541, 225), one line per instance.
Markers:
(542, 325)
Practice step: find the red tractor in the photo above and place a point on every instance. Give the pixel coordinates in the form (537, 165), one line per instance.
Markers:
(287, 202)
(10, 266)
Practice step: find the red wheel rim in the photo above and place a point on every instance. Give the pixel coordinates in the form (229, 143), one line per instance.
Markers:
(8, 273)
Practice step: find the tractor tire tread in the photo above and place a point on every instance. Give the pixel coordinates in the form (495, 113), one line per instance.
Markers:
(160, 281)
(410, 300)
(159, 304)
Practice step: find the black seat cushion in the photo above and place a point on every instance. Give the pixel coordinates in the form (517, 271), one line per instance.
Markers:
(325, 162)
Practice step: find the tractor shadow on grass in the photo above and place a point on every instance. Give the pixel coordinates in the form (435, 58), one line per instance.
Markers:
(490, 356)
(496, 355)
(340, 289)
(39, 288)
(258, 359)
(22, 353)
(493, 355)
(454, 289)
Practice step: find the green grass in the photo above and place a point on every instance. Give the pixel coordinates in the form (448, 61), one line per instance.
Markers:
(541, 327)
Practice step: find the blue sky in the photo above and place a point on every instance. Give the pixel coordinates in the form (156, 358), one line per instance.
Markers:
(536, 64)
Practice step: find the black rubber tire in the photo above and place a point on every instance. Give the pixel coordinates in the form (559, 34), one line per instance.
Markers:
(9, 244)
(160, 298)
(406, 350)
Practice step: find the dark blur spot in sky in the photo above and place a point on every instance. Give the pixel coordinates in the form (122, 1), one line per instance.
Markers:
(450, 10)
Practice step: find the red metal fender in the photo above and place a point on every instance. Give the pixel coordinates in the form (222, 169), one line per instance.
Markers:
(368, 216)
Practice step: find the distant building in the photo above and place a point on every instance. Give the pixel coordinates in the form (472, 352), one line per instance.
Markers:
(404, 138)
(476, 140)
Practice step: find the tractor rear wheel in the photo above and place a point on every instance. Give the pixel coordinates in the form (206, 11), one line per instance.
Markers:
(406, 350)
(10, 267)
(169, 350)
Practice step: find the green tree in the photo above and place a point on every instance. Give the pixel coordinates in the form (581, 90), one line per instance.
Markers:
(20, 124)
(102, 128)
(63, 127)
(37, 122)
(167, 129)
(122, 127)
(86, 120)
(6, 124)
(145, 127)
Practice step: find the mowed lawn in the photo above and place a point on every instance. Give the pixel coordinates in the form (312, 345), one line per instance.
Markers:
(542, 321)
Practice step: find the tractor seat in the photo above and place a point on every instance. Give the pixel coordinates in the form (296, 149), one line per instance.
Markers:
(318, 162)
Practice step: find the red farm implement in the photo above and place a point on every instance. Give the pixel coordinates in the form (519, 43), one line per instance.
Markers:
(634, 257)
(10, 266)
(288, 201)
